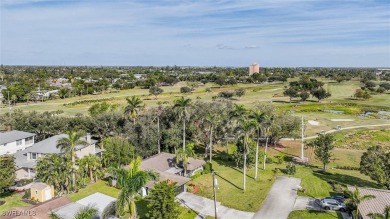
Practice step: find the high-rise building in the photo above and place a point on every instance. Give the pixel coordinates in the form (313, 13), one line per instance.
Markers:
(254, 68)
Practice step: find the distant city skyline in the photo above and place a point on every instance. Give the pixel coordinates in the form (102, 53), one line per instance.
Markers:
(272, 33)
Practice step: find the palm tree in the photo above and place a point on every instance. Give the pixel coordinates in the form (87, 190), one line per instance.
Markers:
(385, 215)
(131, 181)
(259, 117)
(133, 105)
(266, 130)
(238, 111)
(183, 155)
(246, 127)
(86, 212)
(213, 119)
(182, 104)
(355, 199)
(68, 145)
(92, 165)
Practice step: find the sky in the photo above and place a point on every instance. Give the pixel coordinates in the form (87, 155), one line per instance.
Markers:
(273, 33)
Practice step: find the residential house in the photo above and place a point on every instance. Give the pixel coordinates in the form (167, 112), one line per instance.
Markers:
(374, 205)
(13, 141)
(41, 192)
(165, 165)
(27, 159)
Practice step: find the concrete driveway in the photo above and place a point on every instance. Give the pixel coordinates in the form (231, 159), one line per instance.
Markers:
(205, 206)
(306, 203)
(280, 200)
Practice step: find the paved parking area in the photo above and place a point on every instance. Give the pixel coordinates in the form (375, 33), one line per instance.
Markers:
(280, 200)
(306, 203)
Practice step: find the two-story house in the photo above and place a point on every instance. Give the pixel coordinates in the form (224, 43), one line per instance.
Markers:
(27, 159)
(13, 141)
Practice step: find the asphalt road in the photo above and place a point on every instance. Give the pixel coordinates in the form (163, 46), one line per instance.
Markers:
(280, 200)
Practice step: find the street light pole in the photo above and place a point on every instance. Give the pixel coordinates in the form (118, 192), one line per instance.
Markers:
(302, 156)
(215, 194)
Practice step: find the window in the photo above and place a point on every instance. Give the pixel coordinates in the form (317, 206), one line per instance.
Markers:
(33, 156)
(19, 142)
(29, 140)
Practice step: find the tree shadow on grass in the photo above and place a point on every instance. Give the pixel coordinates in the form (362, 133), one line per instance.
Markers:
(228, 181)
(345, 179)
(282, 152)
(339, 215)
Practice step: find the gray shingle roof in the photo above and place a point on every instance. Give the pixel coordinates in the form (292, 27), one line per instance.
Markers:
(374, 205)
(11, 136)
(165, 161)
(21, 160)
(49, 145)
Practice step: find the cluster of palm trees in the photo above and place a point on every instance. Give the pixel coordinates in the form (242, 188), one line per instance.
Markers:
(60, 170)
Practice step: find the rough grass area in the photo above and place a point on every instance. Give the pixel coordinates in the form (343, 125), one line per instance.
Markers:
(363, 139)
(11, 200)
(310, 214)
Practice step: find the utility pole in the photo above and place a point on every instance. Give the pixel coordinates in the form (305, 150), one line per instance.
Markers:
(302, 156)
(215, 194)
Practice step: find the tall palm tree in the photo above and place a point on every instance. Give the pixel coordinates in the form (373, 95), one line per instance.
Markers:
(182, 104)
(246, 127)
(68, 145)
(259, 117)
(213, 119)
(355, 198)
(385, 215)
(131, 181)
(133, 105)
(184, 155)
(268, 121)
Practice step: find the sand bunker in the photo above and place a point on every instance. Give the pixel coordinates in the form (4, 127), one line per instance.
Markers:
(313, 122)
(342, 120)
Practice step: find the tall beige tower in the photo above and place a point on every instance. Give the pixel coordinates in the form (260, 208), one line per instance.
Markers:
(254, 68)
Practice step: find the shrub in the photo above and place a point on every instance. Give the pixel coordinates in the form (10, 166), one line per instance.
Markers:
(207, 168)
(347, 168)
(27, 194)
(269, 160)
(291, 169)
(280, 159)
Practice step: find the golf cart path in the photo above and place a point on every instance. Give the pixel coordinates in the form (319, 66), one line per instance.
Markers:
(334, 130)
(280, 200)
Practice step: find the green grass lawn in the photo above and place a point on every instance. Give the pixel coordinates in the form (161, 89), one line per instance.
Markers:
(308, 214)
(12, 200)
(101, 186)
(316, 184)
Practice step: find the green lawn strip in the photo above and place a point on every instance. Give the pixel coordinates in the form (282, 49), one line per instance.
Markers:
(11, 201)
(311, 214)
(100, 186)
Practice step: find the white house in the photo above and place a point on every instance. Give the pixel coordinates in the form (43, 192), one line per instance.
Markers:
(13, 141)
(27, 159)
